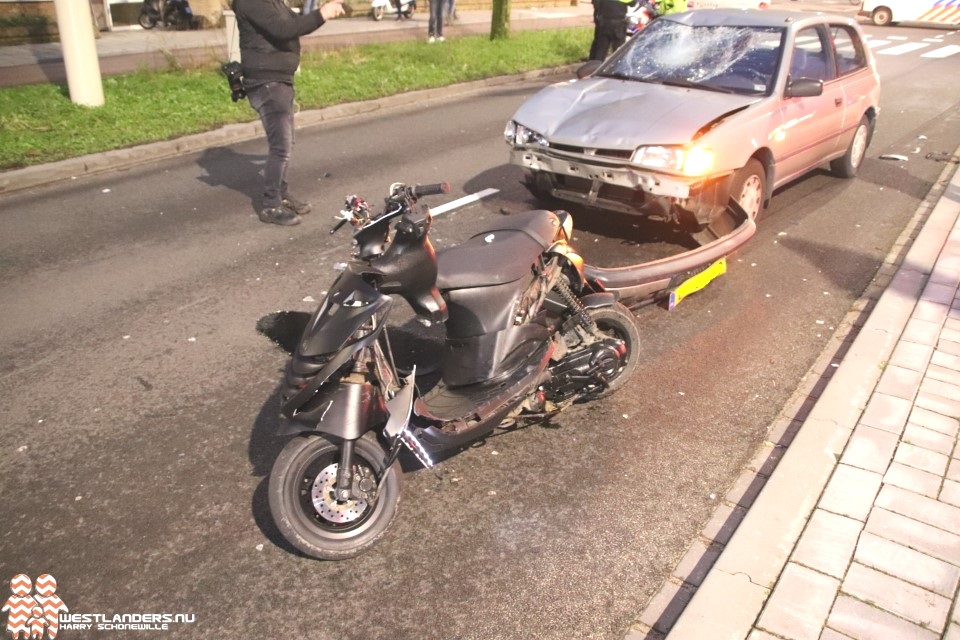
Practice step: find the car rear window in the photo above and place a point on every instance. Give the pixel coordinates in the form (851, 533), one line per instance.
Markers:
(735, 59)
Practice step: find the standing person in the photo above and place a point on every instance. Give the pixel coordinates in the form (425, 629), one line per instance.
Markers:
(269, 56)
(435, 27)
(671, 6)
(609, 27)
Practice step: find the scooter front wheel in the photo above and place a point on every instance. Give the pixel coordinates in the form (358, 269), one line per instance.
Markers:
(305, 509)
(377, 13)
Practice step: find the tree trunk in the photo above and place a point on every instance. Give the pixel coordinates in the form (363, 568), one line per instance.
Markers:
(500, 22)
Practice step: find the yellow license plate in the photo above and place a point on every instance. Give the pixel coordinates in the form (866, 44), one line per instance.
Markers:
(697, 282)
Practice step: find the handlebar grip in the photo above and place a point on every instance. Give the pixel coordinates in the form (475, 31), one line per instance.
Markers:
(421, 190)
(337, 226)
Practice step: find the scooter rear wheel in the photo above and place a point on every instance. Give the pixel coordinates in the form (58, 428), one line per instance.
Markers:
(617, 322)
(305, 509)
(147, 21)
(613, 322)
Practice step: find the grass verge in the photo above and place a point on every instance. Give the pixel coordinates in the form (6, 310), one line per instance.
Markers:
(39, 123)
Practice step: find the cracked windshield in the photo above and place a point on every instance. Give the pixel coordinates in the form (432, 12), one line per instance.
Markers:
(732, 59)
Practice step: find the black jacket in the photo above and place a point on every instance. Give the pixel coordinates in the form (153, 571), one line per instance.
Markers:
(270, 39)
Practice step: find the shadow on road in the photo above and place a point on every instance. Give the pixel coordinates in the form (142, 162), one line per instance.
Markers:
(225, 167)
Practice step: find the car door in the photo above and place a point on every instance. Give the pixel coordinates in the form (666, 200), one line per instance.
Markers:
(811, 124)
(856, 76)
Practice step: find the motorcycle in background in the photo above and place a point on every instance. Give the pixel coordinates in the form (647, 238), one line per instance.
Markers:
(175, 14)
(527, 334)
(379, 8)
(639, 15)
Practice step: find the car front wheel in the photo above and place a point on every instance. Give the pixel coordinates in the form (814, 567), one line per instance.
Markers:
(848, 165)
(749, 187)
(882, 16)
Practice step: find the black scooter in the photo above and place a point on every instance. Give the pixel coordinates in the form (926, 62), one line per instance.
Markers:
(527, 334)
(175, 14)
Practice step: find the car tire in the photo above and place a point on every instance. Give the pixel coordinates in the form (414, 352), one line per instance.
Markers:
(848, 165)
(882, 16)
(749, 188)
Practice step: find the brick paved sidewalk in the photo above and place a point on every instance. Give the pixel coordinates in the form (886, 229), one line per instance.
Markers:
(855, 533)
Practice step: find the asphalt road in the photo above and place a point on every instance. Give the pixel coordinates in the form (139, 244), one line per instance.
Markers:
(139, 397)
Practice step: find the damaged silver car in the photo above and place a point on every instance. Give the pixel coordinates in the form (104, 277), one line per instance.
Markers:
(701, 107)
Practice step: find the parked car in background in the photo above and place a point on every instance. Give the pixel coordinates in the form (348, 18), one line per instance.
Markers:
(884, 12)
(701, 107)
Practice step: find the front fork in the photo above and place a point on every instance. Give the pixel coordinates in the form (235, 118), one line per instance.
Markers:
(399, 435)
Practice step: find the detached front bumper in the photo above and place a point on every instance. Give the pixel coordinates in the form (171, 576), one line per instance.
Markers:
(623, 188)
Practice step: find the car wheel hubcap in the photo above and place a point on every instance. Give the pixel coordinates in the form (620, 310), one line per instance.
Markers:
(859, 147)
(751, 196)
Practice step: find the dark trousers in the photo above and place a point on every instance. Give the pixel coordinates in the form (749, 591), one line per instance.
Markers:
(435, 26)
(274, 102)
(608, 34)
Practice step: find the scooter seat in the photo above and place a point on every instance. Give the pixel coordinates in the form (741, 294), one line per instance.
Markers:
(499, 255)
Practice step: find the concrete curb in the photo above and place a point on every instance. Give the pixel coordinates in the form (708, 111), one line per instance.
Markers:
(19, 179)
(748, 549)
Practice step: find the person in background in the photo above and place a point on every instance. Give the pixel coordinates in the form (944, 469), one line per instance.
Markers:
(671, 6)
(451, 9)
(269, 56)
(435, 26)
(609, 27)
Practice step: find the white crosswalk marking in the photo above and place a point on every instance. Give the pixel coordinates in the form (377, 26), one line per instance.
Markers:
(942, 52)
(901, 49)
(873, 44)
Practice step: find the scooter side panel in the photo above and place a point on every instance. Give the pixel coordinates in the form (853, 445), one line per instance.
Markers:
(342, 410)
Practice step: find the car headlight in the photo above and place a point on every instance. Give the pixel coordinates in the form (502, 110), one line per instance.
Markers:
(515, 133)
(696, 161)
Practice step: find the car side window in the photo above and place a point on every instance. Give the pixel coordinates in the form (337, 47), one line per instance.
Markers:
(849, 48)
(809, 58)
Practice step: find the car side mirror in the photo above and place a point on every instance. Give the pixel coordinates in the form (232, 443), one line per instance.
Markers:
(804, 88)
(588, 68)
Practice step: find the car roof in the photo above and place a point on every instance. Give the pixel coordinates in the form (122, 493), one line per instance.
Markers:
(754, 18)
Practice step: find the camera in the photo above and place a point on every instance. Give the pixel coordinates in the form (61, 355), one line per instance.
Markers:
(235, 79)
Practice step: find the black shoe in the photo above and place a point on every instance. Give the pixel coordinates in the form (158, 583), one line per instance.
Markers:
(279, 215)
(299, 208)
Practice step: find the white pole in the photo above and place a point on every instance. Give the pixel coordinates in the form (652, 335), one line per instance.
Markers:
(79, 51)
(233, 36)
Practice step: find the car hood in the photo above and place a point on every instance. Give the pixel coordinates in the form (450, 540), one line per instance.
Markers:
(619, 114)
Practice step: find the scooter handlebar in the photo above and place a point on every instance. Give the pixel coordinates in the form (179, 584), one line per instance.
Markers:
(422, 190)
